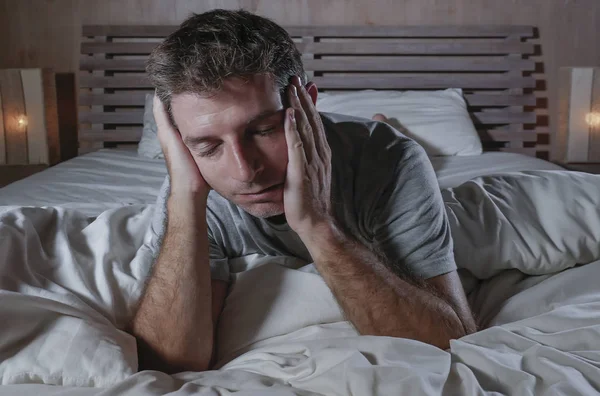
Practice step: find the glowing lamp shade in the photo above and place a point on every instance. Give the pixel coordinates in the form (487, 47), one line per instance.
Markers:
(579, 114)
(28, 117)
(593, 119)
(22, 121)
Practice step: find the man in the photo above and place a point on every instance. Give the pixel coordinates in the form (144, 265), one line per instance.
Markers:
(254, 168)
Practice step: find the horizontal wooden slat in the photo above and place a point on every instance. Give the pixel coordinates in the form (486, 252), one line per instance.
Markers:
(124, 117)
(520, 150)
(405, 63)
(426, 81)
(505, 136)
(117, 48)
(94, 64)
(504, 117)
(111, 135)
(435, 48)
(135, 117)
(116, 99)
(355, 64)
(128, 30)
(500, 100)
(333, 31)
(137, 99)
(349, 47)
(136, 81)
(135, 134)
(412, 31)
(542, 147)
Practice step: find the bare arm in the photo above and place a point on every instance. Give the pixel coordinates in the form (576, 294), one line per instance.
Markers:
(373, 298)
(174, 322)
(176, 319)
(377, 301)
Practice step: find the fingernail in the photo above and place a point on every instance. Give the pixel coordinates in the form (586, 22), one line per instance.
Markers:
(294, 90)
(292, 116)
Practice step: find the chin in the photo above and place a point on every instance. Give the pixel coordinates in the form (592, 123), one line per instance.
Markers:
(264, 210)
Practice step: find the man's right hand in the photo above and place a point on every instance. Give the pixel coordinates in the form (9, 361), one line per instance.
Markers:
(186, 179)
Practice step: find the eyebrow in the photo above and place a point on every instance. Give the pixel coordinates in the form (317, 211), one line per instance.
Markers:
(196, 140)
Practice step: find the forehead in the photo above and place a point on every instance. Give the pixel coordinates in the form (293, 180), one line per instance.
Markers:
(238, 101)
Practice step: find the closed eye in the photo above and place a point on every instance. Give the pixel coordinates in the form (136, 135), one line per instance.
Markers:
(208, 152)
(264, 132)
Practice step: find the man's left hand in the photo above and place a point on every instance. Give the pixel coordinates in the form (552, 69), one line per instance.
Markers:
(307, 190)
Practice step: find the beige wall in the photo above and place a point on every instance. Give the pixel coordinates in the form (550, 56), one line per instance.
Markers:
(45, 33)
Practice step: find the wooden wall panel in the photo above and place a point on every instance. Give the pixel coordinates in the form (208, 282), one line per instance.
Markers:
(13, 107)
(51, 116)
(579, 114)
(594, 146)
(2, 138)
(569, 30)
(33, 93)
(28, 117)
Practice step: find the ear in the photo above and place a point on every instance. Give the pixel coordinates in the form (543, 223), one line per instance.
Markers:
(311, 88)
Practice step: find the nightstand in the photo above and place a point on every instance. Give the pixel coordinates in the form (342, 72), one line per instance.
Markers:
(12, 173)
(588, 167)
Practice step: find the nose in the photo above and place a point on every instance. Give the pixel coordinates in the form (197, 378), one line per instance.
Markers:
(244, 163)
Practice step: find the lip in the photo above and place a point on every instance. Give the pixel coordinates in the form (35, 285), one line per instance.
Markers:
(266, 194)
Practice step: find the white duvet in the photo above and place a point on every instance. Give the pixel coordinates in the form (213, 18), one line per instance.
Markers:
(528, 245)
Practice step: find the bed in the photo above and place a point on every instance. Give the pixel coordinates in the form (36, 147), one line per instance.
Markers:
(491, 64)
(527, 240)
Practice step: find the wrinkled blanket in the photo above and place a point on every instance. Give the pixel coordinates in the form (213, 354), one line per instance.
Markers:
(528, 245)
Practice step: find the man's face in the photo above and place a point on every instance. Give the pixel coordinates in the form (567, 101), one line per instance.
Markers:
(238, 141)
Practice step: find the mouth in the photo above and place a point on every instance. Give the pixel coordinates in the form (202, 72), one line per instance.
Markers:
(265, 190)
(267, 194)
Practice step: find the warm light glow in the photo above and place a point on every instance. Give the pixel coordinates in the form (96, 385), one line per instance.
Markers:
(22, 121)
(593, 119)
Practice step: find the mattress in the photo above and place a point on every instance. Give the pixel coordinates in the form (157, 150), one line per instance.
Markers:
(112, 178)
(91, 183)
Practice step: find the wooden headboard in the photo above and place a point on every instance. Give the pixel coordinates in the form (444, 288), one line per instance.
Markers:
(490, 63)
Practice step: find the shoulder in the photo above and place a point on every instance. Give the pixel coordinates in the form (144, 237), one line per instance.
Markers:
(221, 215)
(374, 151)
(373, 140)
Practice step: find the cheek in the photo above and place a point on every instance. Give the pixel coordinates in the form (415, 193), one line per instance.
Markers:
(209, 172)
(276, 154)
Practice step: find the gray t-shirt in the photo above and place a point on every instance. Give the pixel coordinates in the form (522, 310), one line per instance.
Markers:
(384, 191)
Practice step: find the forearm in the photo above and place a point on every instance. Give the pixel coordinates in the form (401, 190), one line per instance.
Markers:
(375, 300)
(174, 317)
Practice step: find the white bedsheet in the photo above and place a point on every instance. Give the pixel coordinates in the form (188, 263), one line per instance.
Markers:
(92, 183)
(453, 171)
(545, 337)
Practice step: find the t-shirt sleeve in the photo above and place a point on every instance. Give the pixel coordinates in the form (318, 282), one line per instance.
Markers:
(219, 265)
(410, 225)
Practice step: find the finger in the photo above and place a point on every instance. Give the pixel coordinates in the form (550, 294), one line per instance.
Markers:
(379, 117)
(169, 138)
(164, 128)
(160, 113)
(302, 124)
(296, 154)
(314, 119)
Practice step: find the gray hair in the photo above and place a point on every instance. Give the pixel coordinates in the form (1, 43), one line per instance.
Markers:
(211, 47)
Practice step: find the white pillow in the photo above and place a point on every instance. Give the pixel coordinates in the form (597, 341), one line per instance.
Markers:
(149, 146)
(437, 120)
